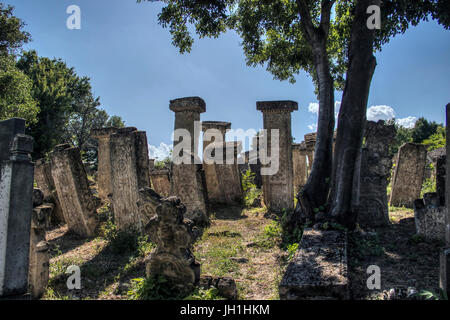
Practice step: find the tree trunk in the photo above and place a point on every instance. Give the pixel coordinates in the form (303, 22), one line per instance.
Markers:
(344, 195)
(314, 194)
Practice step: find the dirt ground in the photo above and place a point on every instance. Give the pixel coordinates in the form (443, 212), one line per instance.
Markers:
(405, 259)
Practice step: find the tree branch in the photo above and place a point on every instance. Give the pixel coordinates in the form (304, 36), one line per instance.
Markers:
(325, 15)
(306, 20)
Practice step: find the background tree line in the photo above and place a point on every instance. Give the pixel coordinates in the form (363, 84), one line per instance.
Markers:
(58, 104)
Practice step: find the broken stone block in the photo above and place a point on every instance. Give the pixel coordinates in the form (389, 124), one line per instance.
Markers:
(376, 165)
(174, 237)
(39, 251)
(278, 188)
(429, 217)
(318, 270)
(408, 176)
(226, 286)
(16, 204)
(78, 204)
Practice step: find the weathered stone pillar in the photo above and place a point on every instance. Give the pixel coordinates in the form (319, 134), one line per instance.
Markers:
(103, 136)
(408, 175)
(188, 179)
(39, 251)
(310, 141)
(278, 189)
(299, 165)
(44, 180)
(78, 204)
(129, 172)
(213, 185)
(376, 164)
(16, 205)
(444, 279)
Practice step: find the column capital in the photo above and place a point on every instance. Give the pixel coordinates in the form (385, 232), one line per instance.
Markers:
(192, 104)
(220, 125)
(277, 106)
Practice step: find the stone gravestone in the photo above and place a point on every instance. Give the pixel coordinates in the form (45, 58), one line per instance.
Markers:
(227, 173)
(103, 136)
(299, 165)
(78, 204)
(161, 181)
(188, 179)
(376, 164)
(278, 188)
(129, 173)
(16, 205)
(408, 176)
(44, 181)
(444, 279)
(310, 141)
(213, 184)
(174, 237)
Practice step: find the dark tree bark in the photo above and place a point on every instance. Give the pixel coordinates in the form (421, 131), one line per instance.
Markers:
(314, 194)
(344, 195)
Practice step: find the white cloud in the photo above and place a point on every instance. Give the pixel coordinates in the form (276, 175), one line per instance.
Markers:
(161, 152)
(337, 107)
(313, 107)
(408, 122)
(376, 113)
(313, 127)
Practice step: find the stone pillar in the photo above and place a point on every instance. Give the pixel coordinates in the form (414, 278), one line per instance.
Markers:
(188, 179)
(310, 141)
(78, 204)
(278, 189)
(39, 251)
(376, 165)
(444, 277)
(300, 166)
(440, 178)
(213, 187)
(408, 175)
(129, 173)
(103, 136)
(16, 205)
(44, 180)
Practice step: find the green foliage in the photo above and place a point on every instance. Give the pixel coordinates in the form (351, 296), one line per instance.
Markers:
(12, 35)
(365, 246)
(270, 237)
(205, 294)
(15, 93)
(436, 140)
(251, 192)
(121, 242)
(163, 163)
(430, 295)
(423, 129)
(292, 249)
(152, 288)
(429, 185)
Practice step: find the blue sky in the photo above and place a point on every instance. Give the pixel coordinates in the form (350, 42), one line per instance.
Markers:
(136, 71)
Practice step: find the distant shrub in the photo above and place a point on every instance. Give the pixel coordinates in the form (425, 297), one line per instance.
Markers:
(251, 192)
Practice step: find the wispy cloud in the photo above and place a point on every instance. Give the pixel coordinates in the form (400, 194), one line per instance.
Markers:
(408, 122)
(161, 152)
(313, 107)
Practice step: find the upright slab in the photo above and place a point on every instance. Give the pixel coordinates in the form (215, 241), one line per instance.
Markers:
(129, 173)
(78, 204)
(278, 188)
(188, 179)
(299, 156)
(44, 180)
(161, 181)
(310, 141)
(16, 205)
(408, 175)
(213, 185)
(444, 278)
(318, 270)
(103, 136)
(376, 165)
